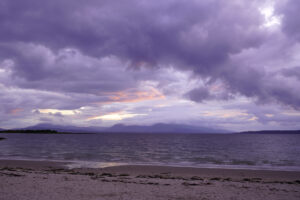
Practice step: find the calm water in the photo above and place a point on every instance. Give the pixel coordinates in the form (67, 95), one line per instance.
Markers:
(214, 150)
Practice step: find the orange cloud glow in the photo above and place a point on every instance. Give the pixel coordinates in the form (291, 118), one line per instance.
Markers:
(135, 96)
(16, 111)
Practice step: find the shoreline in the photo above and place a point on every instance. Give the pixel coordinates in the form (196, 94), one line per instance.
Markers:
(45, 180)
(96, 164)
(133, 168)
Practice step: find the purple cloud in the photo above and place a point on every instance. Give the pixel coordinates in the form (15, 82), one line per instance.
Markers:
(291, 24)
(71, 54)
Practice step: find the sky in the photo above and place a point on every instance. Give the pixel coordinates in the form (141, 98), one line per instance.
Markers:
(231, 64)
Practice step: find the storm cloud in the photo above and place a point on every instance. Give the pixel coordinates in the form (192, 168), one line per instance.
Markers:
(84, 53)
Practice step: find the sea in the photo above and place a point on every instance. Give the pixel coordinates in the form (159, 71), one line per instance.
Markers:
(233, 151)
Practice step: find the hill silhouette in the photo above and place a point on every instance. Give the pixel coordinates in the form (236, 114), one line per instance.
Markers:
(121, 128)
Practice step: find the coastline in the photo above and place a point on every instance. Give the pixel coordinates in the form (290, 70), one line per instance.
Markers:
(21, 179)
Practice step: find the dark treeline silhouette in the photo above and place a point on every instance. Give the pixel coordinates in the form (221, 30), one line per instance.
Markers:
(31, 131)
(40, 131)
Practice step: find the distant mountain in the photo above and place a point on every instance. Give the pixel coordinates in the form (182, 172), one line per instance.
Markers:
(272, 132)
(121, 128)
(163, 128)
(155, 128)
(61, 128)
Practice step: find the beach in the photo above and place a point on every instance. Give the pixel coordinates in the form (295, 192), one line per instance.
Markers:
(45, 180)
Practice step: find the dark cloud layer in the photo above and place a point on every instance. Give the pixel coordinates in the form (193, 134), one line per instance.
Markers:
(96, 48)
(291, 22)
(292, 72)
(196, 34)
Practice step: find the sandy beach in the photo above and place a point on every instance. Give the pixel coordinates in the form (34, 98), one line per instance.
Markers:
(41, 180)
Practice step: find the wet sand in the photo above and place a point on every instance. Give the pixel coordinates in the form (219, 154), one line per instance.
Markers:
(22, 180)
